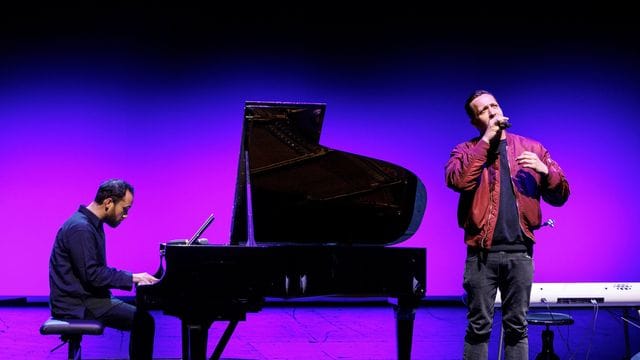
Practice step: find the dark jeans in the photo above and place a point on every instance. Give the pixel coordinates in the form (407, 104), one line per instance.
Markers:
(123, 316)
(484, 274)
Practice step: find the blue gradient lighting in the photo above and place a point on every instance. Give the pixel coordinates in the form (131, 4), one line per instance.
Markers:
(173, 130)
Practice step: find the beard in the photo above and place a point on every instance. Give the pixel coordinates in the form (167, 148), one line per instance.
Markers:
(112, 221)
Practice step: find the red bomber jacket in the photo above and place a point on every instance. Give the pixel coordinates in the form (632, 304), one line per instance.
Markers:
(475, 173)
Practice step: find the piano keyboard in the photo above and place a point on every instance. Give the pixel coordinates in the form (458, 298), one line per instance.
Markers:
(584, 294)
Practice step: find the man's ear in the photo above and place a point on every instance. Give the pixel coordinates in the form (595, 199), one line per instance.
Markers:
(107, 203)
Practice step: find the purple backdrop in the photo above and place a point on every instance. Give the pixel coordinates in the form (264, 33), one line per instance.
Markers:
(75, 112)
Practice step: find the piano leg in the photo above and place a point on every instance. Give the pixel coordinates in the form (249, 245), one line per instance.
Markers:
(194, 339)
(224, 339)
(405, 313)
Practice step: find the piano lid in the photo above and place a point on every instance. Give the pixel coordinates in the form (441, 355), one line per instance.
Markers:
(292, 190)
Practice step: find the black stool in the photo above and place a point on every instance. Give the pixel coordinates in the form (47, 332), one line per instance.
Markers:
(71, 331)
(547, 319)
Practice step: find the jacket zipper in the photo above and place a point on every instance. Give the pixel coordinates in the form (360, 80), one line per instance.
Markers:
(486, 232)
(513, 189)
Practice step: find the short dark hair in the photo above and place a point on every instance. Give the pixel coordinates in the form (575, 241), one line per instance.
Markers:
(115, 189)
(467, 104)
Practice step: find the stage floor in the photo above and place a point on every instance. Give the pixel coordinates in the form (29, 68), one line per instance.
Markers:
(332, 331)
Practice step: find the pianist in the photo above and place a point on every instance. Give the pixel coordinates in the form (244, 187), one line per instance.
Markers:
(500, 177)
(80, 280)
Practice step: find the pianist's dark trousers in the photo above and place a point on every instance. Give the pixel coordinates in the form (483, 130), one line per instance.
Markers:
(126, 317)
(484, 273)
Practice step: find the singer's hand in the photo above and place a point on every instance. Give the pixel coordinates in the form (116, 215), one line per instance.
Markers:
(143, 279)
(495, 126)
(530, 160)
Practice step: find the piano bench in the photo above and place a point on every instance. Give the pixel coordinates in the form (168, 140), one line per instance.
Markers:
(547, 319)
(71, 331)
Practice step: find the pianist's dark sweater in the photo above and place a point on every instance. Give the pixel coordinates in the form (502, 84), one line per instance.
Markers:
(79, 278)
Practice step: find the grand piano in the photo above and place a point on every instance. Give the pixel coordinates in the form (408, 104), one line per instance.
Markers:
(308, 221)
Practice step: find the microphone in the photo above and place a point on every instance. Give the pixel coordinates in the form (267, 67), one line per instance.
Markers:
(504, 123)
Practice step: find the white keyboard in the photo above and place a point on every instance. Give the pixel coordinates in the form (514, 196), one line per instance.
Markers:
(584, 293)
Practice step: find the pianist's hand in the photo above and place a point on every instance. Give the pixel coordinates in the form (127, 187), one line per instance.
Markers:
(143, 279)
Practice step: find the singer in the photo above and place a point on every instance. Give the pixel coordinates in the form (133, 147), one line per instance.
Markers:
(500, 177)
